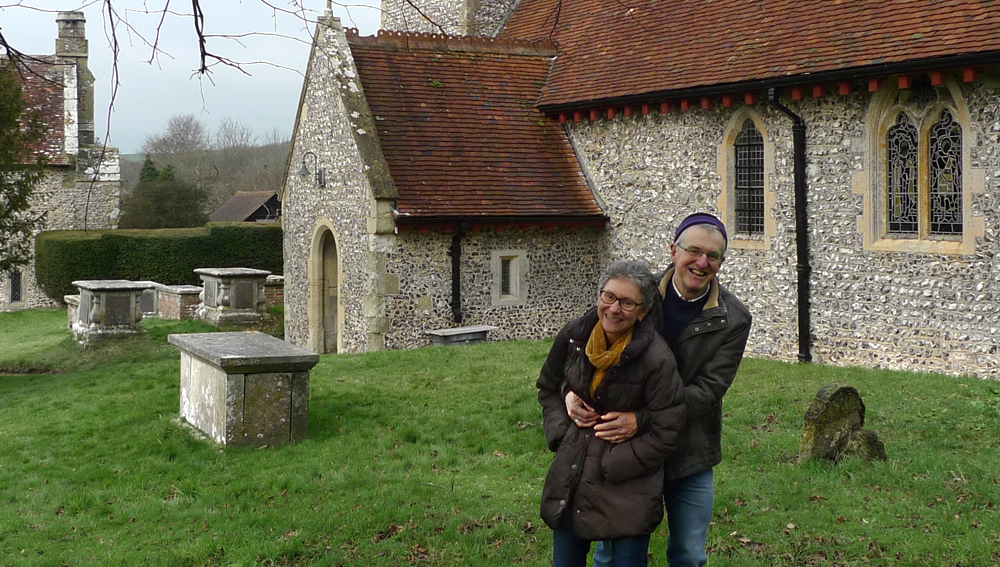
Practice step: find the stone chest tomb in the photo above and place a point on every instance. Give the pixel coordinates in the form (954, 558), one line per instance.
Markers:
(233, 296)
(108, 309)
(244, 388)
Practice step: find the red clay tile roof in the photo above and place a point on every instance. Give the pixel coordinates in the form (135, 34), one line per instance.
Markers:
(457, 121)
(610, 49)
(42, 89)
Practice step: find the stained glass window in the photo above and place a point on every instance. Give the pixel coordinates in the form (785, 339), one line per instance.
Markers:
(749, 180)
(902, 158)
(946, 176)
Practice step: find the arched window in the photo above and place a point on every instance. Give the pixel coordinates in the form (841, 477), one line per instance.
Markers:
(945, 177)
(901, 186)
(749, 206)
(919, 182)
(746, 168)
(923, 166)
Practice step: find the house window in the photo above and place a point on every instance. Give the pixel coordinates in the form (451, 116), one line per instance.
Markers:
(941, 210)
(16, 286)
(509, 269)
(919, 186)
(749, 180)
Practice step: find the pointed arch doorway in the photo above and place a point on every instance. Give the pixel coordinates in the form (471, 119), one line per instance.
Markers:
(330, 293)
(326, 318)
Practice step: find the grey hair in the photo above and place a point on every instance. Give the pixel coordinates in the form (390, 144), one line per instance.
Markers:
(637, 272)
(710, 228)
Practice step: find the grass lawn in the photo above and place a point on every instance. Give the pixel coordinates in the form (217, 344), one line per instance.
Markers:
(435, 456)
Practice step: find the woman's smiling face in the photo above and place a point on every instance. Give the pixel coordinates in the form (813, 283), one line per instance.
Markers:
(615, 320)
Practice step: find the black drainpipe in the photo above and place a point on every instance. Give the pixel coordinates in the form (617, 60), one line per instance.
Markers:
(456, 272)
(801, 226)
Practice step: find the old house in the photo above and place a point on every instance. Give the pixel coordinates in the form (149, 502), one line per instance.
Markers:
(82, 185)
(853, 150)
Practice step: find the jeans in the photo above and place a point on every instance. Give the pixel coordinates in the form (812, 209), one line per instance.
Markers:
(568, 551)
(689, 501)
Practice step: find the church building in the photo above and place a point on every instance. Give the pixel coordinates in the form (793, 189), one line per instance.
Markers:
(480, 162)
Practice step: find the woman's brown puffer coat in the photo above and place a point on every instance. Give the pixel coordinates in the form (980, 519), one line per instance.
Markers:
(612, 490)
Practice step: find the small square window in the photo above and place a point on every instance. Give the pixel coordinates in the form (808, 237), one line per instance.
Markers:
(509, 269)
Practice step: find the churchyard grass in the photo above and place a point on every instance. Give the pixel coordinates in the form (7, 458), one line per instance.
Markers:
(435, 456)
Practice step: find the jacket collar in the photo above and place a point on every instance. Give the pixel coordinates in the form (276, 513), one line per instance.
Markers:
(713, 288)
(643, 335)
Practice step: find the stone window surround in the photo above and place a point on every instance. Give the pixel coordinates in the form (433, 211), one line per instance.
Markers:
(883, 110)
(518, 277)
(727, 175)
(6, 287)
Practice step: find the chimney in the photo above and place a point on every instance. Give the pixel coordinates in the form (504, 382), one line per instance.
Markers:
(71, 48)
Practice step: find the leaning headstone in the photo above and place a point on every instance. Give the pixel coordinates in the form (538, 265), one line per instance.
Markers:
(833, 427)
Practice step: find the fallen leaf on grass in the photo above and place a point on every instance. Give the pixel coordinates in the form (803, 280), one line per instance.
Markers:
(387, 533)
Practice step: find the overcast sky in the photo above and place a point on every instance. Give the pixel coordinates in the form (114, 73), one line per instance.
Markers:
(150, 93)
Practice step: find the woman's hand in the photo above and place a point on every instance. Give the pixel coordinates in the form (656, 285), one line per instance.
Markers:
(616, 426)
(582, 414)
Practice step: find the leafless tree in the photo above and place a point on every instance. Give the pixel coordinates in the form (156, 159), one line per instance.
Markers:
(233, 135)
(184, 134)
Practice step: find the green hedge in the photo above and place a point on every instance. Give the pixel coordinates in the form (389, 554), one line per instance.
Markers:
(168, 256)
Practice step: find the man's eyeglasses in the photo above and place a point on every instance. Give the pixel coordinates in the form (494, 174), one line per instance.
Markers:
(713, 256)
(625, 303)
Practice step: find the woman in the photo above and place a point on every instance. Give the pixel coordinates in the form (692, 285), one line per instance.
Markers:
(613, 359)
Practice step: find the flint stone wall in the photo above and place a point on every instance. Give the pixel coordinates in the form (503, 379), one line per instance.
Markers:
(563, 268)
(900, 310)
(325, 127)
(454, 17)
(68, 198)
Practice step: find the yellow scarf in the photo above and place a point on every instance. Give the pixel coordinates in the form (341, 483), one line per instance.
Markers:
(601, 356)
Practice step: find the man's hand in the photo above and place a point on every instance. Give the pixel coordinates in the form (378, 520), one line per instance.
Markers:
(616, 426)
(582, 414)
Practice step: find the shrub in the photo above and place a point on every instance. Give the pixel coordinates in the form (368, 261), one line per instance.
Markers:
(167, 256)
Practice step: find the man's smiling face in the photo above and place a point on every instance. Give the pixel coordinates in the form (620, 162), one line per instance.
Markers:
(695, 270)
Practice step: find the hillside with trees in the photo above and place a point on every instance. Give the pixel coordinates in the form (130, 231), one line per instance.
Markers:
(206, 169)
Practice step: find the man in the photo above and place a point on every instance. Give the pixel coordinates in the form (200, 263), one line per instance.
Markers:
(707, 327)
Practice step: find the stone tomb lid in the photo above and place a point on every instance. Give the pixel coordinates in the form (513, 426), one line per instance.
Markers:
(462, 330)
(112, 285)
(180, 289)
(246, 353)
(232, 272)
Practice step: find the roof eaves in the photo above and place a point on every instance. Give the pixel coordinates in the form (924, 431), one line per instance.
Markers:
(861, 72)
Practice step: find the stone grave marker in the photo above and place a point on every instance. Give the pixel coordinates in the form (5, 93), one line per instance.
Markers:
(834, 427)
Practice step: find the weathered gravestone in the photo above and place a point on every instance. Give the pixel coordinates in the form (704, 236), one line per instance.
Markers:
(833, 427)
(245, 388)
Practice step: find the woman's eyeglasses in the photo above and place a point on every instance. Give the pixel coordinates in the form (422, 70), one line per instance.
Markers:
(625, 303)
